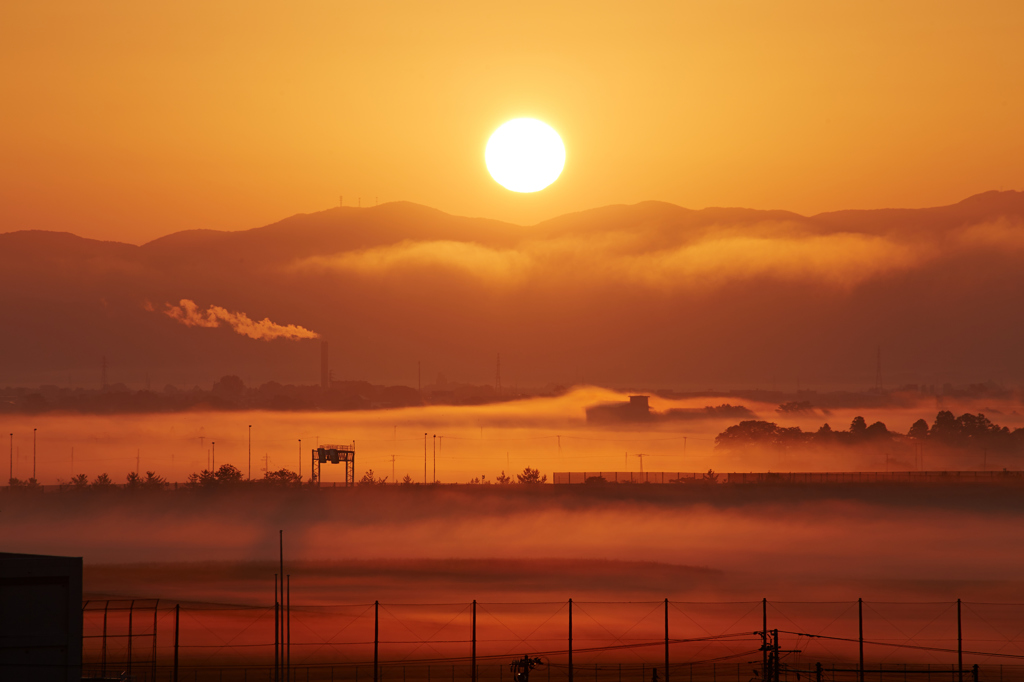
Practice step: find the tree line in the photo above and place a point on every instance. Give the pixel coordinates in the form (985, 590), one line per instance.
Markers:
(968, 431)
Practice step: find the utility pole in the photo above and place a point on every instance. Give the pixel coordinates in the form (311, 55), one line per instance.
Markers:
(214, 445)
(33, 454)
(435, 459)
(473, 662)
(424, 463)
(300, 460)
(393, 479)
(250, 452)
(11, 477)
(764, 639)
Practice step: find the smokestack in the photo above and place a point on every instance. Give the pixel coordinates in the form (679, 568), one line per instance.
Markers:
(325, 373)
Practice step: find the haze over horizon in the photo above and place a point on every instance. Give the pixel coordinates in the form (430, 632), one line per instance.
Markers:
(753, 298)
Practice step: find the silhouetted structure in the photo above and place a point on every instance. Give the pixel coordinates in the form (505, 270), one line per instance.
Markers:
(336, 454)
(41, 628)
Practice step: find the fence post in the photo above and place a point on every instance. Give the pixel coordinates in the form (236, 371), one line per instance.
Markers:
(277, 634)
(666, 639)
(570, 640)
(959, 645)
(974, 672)
(376, 632)
(177, 609)
(860, 630)
(288, 629)
(473, 672)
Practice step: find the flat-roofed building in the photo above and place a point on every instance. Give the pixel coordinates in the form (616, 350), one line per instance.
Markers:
(41, 621)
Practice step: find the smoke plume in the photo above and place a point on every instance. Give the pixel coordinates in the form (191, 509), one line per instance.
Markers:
(189, 314)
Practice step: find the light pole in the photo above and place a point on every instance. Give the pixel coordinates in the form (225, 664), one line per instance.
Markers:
(300, 460)
(33, 454)
(435, 459)
(424, 459)
(250, 452)
(213, 445)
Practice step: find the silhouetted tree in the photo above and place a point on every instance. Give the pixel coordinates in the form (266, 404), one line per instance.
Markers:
(945, 429)
(858, 426)
(153, 481)
(102, 481)
(876, 431)
(229, 387)
(503, 479)
(407, 480)
(283, 478)
(369, 479)
(531, 476)
(133, 481)
(748, 432)
(919, 430)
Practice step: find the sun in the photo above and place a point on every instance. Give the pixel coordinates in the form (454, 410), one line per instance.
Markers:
(525, 155)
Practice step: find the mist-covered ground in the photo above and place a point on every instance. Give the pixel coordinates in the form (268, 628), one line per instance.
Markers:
(464, 442)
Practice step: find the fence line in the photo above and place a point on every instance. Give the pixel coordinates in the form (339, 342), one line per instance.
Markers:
(605, 641)
(709, 478)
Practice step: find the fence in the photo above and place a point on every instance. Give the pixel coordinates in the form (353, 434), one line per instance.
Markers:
(576, 642)
(690, 478)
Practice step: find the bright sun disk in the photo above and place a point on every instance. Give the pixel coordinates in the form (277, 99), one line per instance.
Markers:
(525, 155)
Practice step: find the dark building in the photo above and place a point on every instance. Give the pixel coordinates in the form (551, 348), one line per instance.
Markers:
(41, 622)
(636, 410)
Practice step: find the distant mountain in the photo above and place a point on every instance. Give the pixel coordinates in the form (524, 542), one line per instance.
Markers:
(649, 294)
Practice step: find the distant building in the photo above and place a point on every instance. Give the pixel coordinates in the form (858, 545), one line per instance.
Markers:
(638, 409)
(41, 628)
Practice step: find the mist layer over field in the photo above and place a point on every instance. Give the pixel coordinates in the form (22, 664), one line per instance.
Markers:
(550, 434)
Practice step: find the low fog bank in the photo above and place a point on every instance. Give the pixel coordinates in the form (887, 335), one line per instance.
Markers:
(455, 444)
(789, 537)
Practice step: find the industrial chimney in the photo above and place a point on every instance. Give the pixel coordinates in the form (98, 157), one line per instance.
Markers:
(325, 373)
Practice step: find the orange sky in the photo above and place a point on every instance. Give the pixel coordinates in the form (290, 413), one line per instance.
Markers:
(130, 120)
